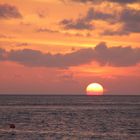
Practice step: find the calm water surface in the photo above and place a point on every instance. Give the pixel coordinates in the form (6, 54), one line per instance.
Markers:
(70, 117)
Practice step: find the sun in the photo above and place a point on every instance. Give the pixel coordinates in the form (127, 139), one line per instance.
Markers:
(94, 89)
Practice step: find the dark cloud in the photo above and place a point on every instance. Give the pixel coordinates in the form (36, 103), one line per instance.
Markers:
(8, 11)
(115, 32)
(124, 1)
(44, 30)
(97, 15)
(79, 24)
(2, 54)
(111, 56)
(21, 44)
(129, 19)
(117, 56)
(36, 58)
(47, 30)
(113, 1)
(85, 22)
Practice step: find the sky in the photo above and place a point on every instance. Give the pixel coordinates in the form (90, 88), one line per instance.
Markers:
(61, 46)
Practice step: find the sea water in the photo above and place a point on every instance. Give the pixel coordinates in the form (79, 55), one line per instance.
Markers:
(70, 117)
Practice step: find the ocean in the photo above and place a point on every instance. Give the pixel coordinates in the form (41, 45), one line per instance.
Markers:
(69, 117)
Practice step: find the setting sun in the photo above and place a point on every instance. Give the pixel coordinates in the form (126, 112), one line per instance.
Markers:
(94, 89)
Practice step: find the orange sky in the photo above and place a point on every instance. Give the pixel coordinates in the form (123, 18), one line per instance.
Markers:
(60, 46)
